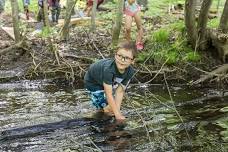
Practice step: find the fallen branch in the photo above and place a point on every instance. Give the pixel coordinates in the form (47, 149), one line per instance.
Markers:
(17, 45)
(65, 55)
(220, 71)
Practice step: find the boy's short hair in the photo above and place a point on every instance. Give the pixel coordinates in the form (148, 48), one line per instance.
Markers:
(129, 46)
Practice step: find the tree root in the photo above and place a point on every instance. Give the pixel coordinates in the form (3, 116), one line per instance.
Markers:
(17, 45)
(219, 72)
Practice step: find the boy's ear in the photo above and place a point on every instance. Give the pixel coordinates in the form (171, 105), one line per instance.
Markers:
(133, 61)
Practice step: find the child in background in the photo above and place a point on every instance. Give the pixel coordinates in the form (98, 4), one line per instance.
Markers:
(89, 6)
(40, 15)
(55, 10)
(132, 11)
(2, 6)
(26, 9)
(107, 79)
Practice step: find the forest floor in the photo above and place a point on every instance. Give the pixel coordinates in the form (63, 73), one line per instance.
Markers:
(49, 57)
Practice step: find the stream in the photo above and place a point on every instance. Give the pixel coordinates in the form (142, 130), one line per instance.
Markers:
(40, 116)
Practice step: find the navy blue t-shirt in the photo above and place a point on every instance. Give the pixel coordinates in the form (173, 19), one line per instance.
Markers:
(105, 71)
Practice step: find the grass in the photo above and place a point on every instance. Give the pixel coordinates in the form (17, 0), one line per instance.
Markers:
(33, 7)
(168, 43)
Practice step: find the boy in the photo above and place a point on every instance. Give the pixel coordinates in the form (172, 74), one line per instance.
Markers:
(89, 6)
(132, 11)
(107, 79)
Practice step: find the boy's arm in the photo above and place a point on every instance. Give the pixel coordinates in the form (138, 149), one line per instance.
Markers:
(112, 103)
(119, 96)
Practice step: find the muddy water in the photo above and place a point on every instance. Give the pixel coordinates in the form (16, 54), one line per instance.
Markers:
(40, 116)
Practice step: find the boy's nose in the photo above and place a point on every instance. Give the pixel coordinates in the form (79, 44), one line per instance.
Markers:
(123, 59)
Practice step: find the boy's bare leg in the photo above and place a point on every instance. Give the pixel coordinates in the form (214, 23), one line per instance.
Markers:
(139, 27)
(128, 23)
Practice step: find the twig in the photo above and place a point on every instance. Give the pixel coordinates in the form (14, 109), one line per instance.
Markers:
(144, 123)
(97, 49)
(95, 145)
(157, 73)
(172, 101)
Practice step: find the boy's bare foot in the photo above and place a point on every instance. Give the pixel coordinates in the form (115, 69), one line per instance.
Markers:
(139, 46)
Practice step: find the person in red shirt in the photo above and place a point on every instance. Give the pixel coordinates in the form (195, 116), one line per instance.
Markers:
(89, 6)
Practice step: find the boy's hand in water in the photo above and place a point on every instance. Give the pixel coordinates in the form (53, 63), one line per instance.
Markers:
(120, 117)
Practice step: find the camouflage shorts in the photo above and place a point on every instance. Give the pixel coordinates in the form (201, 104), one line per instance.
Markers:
(98, 99)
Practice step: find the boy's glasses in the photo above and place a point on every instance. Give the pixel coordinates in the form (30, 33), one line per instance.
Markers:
(123, 58)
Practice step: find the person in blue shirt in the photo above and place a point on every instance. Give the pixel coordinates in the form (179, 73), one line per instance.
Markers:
(107, 79)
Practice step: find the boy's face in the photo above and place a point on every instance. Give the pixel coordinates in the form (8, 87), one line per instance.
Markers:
(123, 59)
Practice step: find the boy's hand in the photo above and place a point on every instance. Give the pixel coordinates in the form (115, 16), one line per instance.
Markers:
(120, 117)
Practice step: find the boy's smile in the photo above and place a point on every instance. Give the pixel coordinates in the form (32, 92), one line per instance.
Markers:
(123, 59)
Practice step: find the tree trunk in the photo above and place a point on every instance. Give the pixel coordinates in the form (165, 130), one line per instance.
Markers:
(94, 9)
(220, 42)
(202, 24)
(65, 30)
(203, 36)
(190, 22)
(45, 10)
(117, 24)
(218, 4)
(224, 18)
(14, 6)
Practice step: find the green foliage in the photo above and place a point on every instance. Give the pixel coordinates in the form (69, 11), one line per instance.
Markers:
(161, 36)
(178, 26)
(169, 44)
(213, 23)
(47, 32)
(33, 7)
(142, 57)
(172, 57)
(159, 7)
(154, 8)
(191, 56)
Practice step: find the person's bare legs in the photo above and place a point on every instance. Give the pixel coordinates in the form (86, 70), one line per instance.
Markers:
(87, 10)
(138, 22)
(128, 23)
